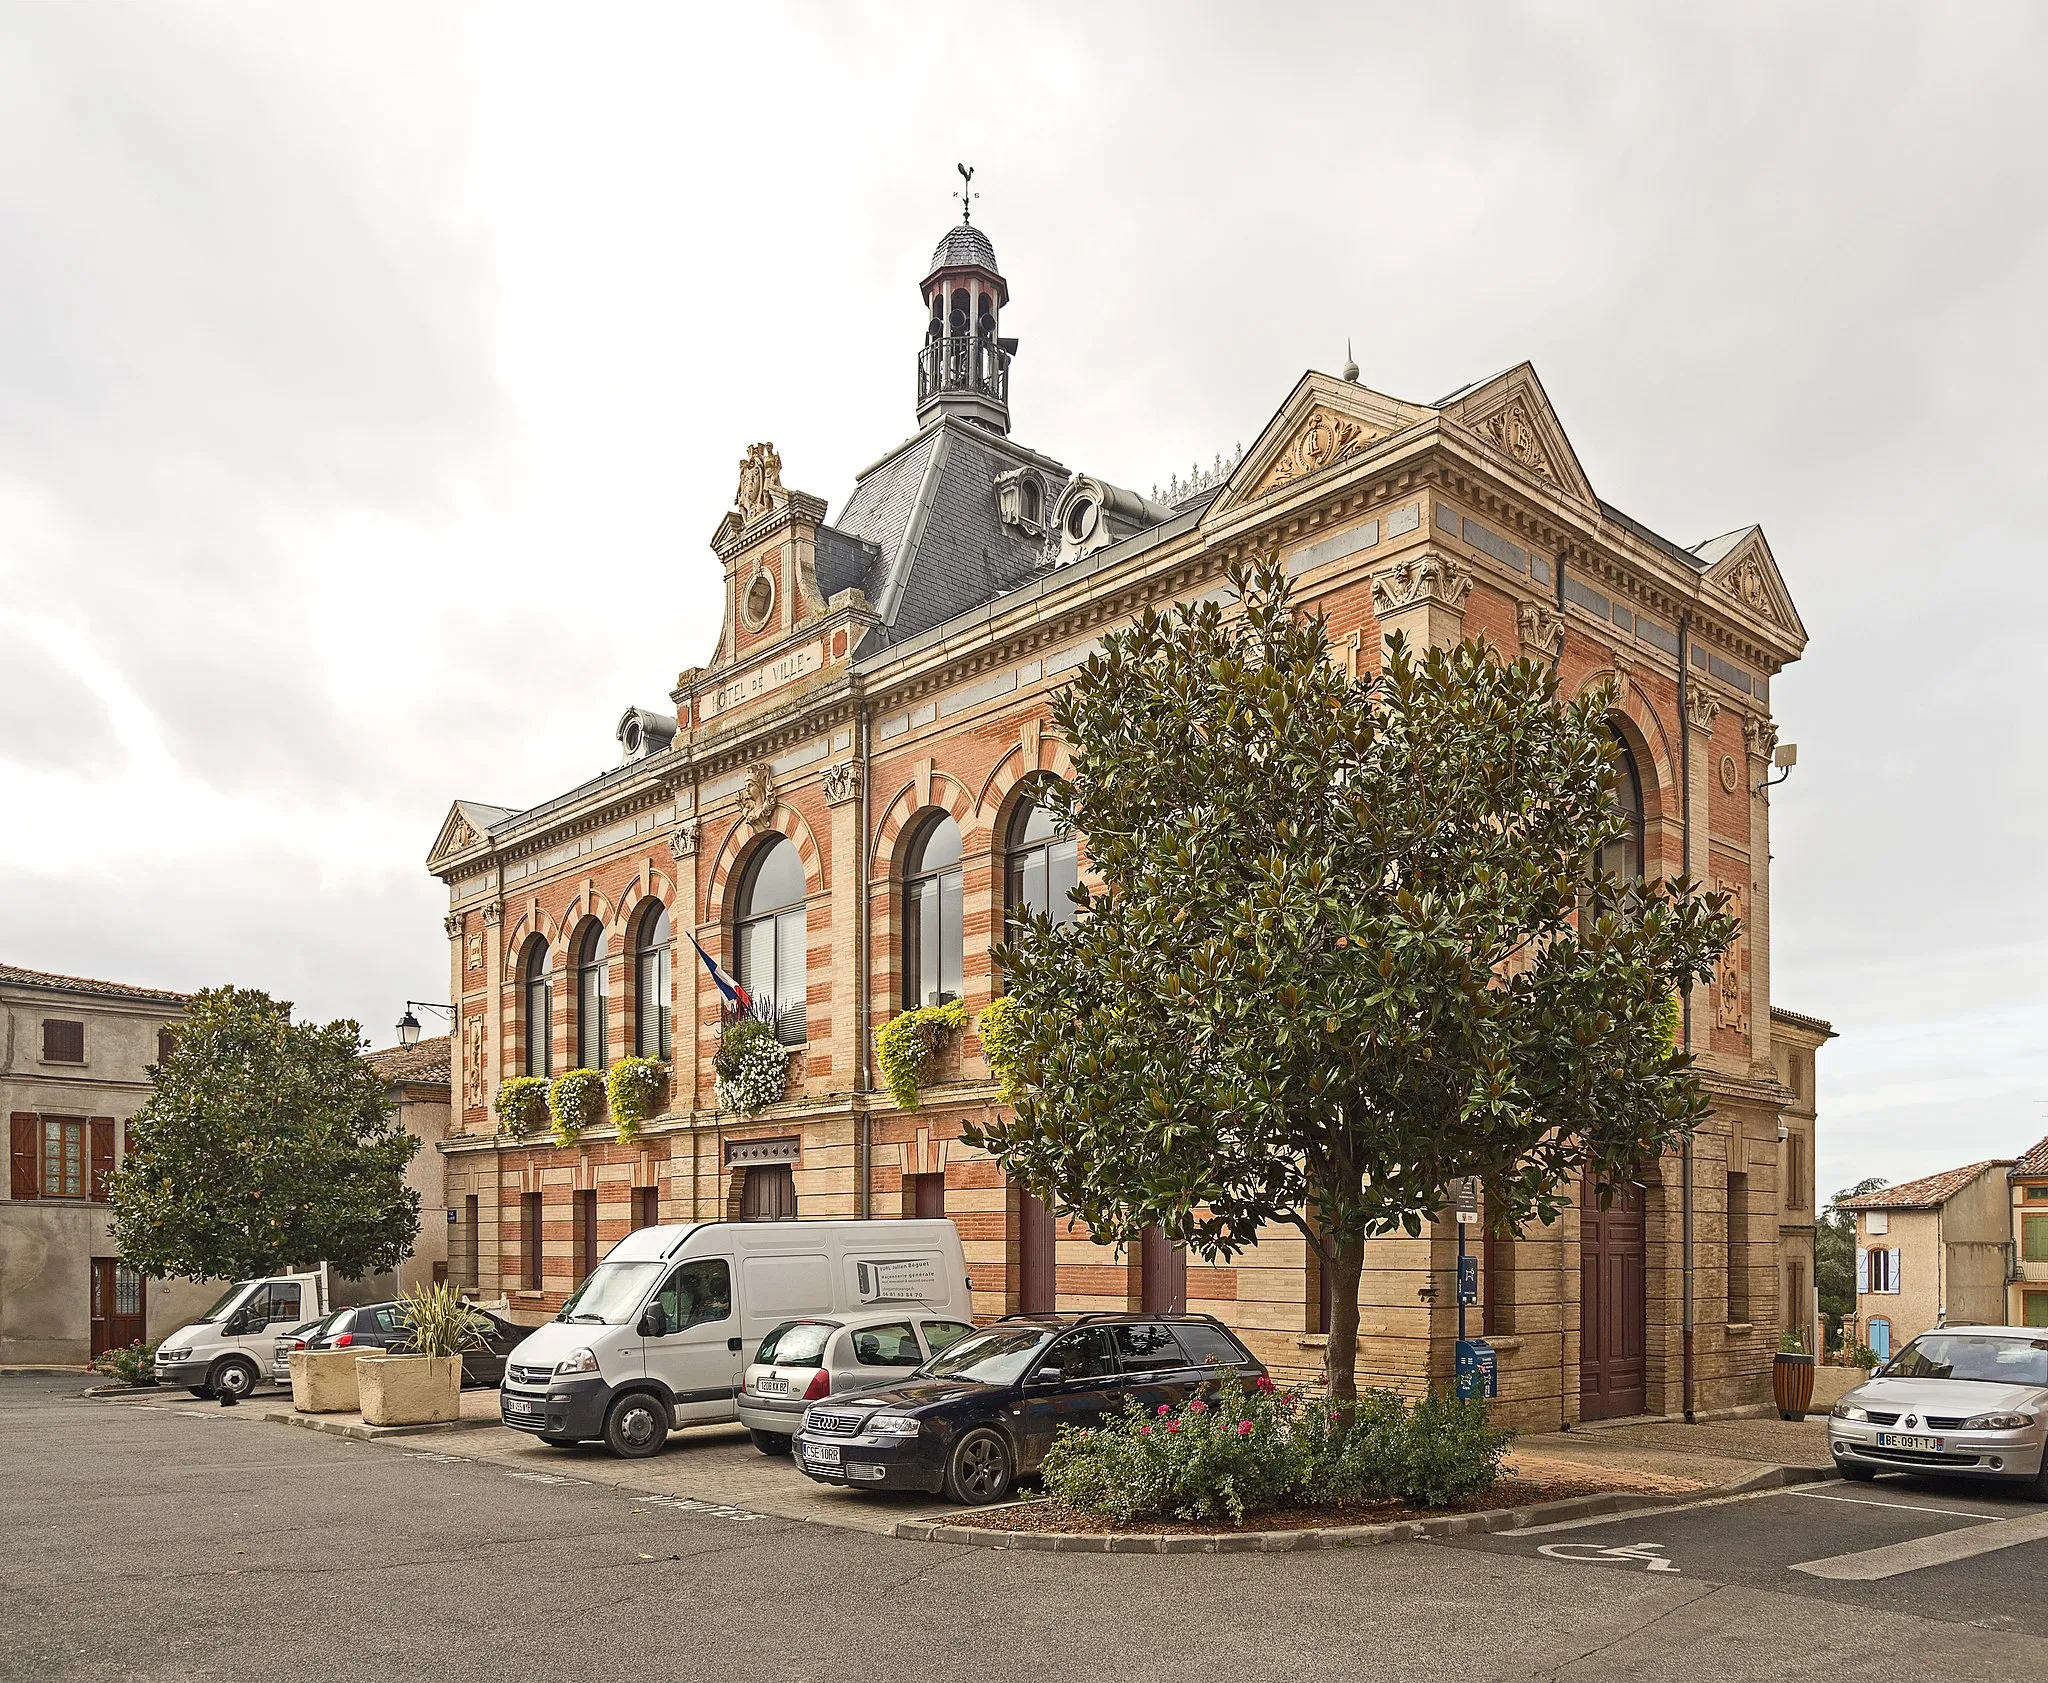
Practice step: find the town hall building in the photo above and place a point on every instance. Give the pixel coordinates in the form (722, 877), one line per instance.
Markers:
(840, 806)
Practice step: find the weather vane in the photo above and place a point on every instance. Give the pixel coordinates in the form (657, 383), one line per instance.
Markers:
(965, 197)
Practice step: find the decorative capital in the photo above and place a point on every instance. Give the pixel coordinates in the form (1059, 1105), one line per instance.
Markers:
(1415, 580)
(1701, 708)
(452, 923)
(494, 911)
(842, 782)
(757, 799)
(682, 841)
(1542, 629)
(1761, 735)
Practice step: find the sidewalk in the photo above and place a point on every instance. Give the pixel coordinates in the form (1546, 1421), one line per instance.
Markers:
(1710, 1453)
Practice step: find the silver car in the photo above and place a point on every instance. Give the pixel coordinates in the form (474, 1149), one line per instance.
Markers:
(818, 1356)
(1967, 1401)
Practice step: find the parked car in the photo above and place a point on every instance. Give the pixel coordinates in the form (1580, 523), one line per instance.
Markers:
(652, 1338)
(1958, 1401)
(983, 1412)
(222, 1351)
(805, 1361)
(376, 1326)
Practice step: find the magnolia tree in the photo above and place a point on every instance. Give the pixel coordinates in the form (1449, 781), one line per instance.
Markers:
(1347, 946)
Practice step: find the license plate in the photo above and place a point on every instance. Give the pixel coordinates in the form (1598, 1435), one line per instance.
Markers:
(525, 1410)
(822, 1454)
(1906, 1440)
(770, 1385)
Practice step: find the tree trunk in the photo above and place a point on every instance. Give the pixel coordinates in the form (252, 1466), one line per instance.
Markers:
(1345, 1258)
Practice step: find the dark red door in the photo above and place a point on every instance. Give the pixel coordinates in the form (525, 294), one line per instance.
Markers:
(1612, 1274)
(119, 1315)
(1037, 1283)
(1162, 1275)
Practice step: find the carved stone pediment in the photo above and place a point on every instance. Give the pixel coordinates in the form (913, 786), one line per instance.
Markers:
(1512, 429)
(1325, 439)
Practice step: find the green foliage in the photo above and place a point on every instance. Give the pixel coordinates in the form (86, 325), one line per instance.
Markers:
(634, 1087)
(522, 1104)
(132, 1364)
(998, 1032)
(438, 1323)
(1834, 1255)
(1792, 1343)
(1864, 1357)
(1344, 950)
(576, 1101)
(265, 1147)
(751, 1065)
(1671, 1023)
(1246, 1451)
(905, 1044)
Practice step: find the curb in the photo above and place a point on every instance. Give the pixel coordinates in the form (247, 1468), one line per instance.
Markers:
(1351, 1536)
(369, 1434)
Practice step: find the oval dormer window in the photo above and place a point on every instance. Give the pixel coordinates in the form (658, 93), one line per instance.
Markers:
(1081, 518)
(633, 738)
(758, 602)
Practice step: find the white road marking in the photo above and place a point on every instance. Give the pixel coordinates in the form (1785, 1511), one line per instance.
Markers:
(1963, 1543)
(1872, 1502)
(1648, 1555)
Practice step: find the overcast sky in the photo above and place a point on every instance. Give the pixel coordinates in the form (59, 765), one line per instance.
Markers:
(372, 379)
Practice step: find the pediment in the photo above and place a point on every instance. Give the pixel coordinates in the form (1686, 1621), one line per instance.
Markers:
(465, 827)
(1512, 416)
(1324, 422)
(1741, 563)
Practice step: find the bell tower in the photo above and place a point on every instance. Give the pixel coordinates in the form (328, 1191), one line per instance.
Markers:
(963, 367)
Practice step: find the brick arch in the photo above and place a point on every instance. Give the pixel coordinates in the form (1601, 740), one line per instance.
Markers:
(631, 898)
(948, 795)
(738, 844)
(1011, 770)
(523, 931)
(1636, 718)
(600, 907)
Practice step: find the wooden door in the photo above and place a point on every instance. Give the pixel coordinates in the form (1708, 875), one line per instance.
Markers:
(1162, 1275)
(119, 1309)
(1037, 1279)
(768, 1193)
(1612, 1277)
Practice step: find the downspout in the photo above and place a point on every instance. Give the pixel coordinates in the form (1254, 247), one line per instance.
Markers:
(1685, 1005)
(864, 1149)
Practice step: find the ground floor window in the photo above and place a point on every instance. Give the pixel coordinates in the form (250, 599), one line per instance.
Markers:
(1880, 1339)
(646, 1206)
(924, 1196)
(586, 1233)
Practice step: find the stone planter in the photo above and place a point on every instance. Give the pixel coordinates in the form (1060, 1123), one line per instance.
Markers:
(324, 1381)
(409, 1390)
(1792, 1384)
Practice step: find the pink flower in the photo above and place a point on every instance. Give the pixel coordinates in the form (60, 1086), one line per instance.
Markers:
(1164, 1409)
(1173, 1425)
(1144, 1431)
(1198, 1407)
(1265, 1384)
(1244, 1428)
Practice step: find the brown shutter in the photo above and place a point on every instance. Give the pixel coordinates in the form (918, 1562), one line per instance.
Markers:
(24, 1154)
(102, 1157)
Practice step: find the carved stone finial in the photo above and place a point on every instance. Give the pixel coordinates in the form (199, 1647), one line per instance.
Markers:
(760, 488)
(1761, 735)
(842, 782)
(1542, 629)
(1432, 576)
(757, 799)
(1701, 708)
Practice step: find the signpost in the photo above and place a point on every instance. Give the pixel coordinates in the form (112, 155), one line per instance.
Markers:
(1477, 1375)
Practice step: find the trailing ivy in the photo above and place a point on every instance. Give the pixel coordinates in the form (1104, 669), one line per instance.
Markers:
(906, 1042)
(998, 1030)
(522, 1104)
(634, 1087)
(751, 1065)
(576, 1101)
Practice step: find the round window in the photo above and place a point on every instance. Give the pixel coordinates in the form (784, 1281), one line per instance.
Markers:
(1081, 519)
(758, 602)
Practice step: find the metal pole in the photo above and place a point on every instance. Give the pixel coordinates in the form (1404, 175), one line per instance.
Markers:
(1685, 1008)
(1461, 1282)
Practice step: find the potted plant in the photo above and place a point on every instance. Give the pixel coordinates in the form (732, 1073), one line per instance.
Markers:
(576, 1101)
(634, 1088)
(1792, 1377)
(424, 1384)
(522, 1104)
(909, 1041)
(751, 1065)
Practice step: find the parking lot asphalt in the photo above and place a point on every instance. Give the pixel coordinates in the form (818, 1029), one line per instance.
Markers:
(190, 1544)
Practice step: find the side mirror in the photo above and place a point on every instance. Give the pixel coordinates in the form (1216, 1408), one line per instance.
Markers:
(1046, 1376)
(654, 1324)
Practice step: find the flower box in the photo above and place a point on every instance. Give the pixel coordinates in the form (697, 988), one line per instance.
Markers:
(409, 1390)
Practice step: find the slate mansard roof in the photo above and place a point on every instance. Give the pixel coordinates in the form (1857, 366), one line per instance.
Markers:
(963, 246)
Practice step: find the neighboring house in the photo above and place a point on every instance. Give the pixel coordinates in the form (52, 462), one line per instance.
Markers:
(419, 1092)
(1794, 1041)
(75, 1065)
(1930, 1253)
(2027, 1304)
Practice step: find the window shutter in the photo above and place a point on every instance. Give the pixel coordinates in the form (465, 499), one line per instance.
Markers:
(102, 1158)
(1862, 1270)
(1894, 1284)
(23, 1154)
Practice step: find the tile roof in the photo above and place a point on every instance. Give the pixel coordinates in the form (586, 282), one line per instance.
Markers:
(15, 975)
(1799, 1019)
(425, 1063)
(964, 245)
(1925, 1193)
(2034, 1161)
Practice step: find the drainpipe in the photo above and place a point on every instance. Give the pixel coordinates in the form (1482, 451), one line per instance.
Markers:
(1685, 1007)
(864, 1135)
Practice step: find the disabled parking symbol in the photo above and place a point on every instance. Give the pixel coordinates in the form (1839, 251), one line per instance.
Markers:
(1649, 1556)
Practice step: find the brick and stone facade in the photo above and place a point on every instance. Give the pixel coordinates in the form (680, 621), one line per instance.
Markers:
(896, 663)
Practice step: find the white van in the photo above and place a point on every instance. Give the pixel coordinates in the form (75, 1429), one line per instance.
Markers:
(657, 1336)
(229, 1348)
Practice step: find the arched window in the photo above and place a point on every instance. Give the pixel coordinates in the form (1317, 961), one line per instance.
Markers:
(1041, 865)
(653, 993)
(590, 999)
(933, 904)
(769, 931)
(540, 1009)
(1623, 857)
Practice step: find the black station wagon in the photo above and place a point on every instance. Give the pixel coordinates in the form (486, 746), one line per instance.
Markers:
(983, 1412)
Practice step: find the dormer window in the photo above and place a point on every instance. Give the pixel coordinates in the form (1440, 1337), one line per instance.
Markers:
(1020, 500)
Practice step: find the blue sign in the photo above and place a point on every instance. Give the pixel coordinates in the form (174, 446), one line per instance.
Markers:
(1468, 1279)
(1478, 1371)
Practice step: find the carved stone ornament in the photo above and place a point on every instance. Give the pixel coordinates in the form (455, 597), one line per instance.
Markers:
(494, 911)
(1542, 629)
(476, 951)
(1429, 577)
(473, 1065)
(682, 841)
(1731, 773)
(1325, 441)
(452, 923)
(842, 782)
(1762, 737)
(1701, 708)
(461, 834)
(760, 488)
(1747, 581)
(1513, 431)
(1731, 995)
(757, 799)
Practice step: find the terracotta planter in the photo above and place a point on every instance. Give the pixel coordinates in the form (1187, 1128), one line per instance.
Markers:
(324, 1381)
(1792, 1384)
(409, 1390)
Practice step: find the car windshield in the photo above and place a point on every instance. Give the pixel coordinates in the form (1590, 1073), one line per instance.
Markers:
(997, 1357)
(313, 1329)
(228, 1299)
(797, 1343)
(611, 1293)
(1960, 1355)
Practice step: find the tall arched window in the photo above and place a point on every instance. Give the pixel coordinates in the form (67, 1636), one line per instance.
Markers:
(590, 997)
(540, 1009)
(769, 937)
(1041, 865)
(933, 904)
(652, 990)
(1623, 857)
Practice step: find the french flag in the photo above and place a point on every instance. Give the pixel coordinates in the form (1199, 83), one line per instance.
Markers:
(735, 994)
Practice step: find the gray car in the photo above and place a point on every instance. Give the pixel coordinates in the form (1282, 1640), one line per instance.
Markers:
(1963, 1401)
(804, 1361)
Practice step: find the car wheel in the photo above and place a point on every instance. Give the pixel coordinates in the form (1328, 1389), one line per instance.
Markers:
(979, 1469)
(559, 1443)
(232, 1377)
(770, 1443)
(1855, 1471)
(636, 1425)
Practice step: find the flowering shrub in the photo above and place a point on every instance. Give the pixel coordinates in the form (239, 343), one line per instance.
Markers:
(999, 1045)
(634, 1087)
(576, 1101)
(1243, 1450)
(751, 1065)
(132, 1364)
(522, 1104)
(905, 1044)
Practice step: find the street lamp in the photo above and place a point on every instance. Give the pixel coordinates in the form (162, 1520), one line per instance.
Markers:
(409, 1025)
(1786, 757)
